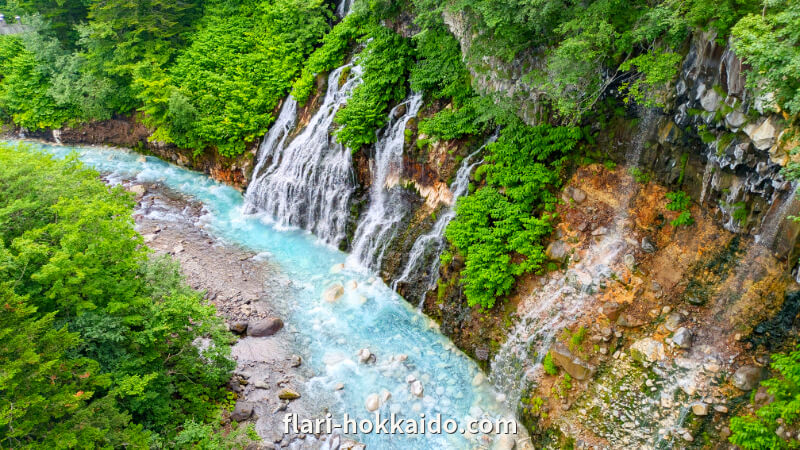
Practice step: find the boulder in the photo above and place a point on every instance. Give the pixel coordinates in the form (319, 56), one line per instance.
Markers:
(242, 411)
(699, 409)
(238, 327)
(673, 321)
(710, 100)
(138, 190)
(478, 379)
(372, 403)
(647, 350)
(416, 388)
(574, 366)
(266, 327)
(333, 292)
(682, 338)
(648, 246)
(557, 250)
(288, 394)
(763, 136)
(364, 356)
(735, 119)
(612, 310)
(504, 442)
(578, 195)
(747, 378)
(296, 361)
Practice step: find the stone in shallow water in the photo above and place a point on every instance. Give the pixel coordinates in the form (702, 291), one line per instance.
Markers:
(478, 379)
(333, 292)
(417, 389)
(336, 268)
(372, 403)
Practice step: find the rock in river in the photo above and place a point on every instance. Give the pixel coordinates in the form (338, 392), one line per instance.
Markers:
(372, 403)
(288, 394)
(333, 292)
(266, 327)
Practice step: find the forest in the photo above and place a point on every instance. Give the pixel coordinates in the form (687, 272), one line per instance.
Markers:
(98, 334)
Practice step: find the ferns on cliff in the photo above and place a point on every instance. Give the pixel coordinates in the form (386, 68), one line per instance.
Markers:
(500, 228)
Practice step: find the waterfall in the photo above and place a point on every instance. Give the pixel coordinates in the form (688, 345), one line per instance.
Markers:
(781, 207)
(343, 7)
(423, 259)
(386, 207)
(644, 128)
(308, 182)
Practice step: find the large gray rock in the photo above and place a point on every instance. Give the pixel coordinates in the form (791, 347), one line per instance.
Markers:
(673, 321)
(238, 327)
(735, 119)
(242, 411)
(763, 136)
(574, 366)
(747, 378)
(682, 338)
(710, 100)
(266, 327)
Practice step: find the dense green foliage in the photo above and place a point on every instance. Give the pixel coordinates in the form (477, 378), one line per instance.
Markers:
(384, 62)
(97, 338)
(500, 228)
(770, 42)
(758, 432)
(680, 201)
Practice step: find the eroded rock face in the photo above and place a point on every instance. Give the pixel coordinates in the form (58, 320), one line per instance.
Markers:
(574, 366)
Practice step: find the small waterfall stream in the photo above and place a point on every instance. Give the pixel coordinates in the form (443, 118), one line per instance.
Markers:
(307, 182)
(386, 207)
(423, 259)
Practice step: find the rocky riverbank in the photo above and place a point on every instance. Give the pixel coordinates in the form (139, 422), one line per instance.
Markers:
(269, 378)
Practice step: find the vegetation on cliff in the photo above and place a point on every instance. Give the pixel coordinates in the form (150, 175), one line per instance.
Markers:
(101, 345)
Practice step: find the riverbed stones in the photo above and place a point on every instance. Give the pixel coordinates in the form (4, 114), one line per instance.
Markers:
(682, 338)
(138, 190)
(747, 378)
(296, 361)
(288, 394)
(372, 403)
(242, 411)
(478, 379)
(266, 327)
(352, 285)
(612, 310)
(336, 268)
(647, 350)
(571, 364)
(333, 292)
(365, 356)
(416, 389)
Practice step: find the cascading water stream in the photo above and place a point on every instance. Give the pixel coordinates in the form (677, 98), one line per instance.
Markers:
(423, 259)
(329, 335)
(307, 182)
(386, 206)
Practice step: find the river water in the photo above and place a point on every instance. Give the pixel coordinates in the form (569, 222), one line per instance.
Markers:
(369, 315)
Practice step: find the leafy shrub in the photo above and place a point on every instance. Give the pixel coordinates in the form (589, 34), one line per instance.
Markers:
(385, 62)
(501, 227)
(548, 365)
(758, 431)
